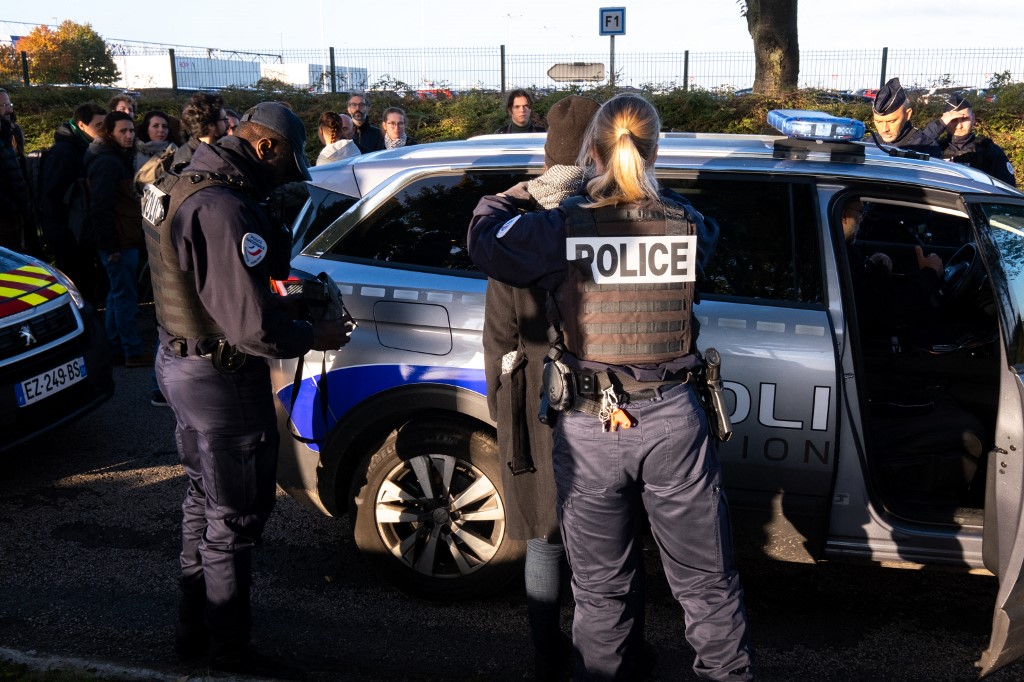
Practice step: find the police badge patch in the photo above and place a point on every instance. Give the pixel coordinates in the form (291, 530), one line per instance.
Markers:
(254, 248)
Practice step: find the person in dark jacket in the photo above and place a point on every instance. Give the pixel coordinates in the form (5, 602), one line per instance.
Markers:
(115, 223)
(519, 105)
(515, 345)
(632, 430)
(211, 257)
(15, 202)
(892, 111)
(61, 168)
(961, 145)
(368, 137)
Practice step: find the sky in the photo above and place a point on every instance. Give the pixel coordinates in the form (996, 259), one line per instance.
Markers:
(528, 27)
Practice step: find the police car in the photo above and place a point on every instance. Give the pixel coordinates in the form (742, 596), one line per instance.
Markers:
(55, 362)
(904, 448)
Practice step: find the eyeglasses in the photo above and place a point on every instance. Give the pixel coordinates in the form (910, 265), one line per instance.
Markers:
(393, 124)
(359, 105)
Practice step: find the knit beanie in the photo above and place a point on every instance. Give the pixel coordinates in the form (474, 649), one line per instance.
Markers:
(567, 121)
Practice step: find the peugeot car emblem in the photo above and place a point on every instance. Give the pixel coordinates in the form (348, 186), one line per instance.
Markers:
(25, 332)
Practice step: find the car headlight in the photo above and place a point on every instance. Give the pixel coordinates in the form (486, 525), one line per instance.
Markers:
(76, 295)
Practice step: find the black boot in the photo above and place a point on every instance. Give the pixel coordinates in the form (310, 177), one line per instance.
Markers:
(191, 637)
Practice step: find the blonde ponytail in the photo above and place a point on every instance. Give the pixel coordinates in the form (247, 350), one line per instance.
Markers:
(623, 137)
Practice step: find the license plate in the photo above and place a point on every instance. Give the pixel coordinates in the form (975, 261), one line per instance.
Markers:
(50, 382)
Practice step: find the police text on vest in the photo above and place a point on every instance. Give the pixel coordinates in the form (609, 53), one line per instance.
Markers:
(636, 260)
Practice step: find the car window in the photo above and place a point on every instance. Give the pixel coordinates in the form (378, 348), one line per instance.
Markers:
(1006, 228)
(768, 247)
(900, 222)
(425, 223)
(322, 209)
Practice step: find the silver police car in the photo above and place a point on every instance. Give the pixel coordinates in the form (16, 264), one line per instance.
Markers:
(868, 426)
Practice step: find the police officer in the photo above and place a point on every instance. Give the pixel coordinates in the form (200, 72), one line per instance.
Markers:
(891, 112)
(621, 259)
(212, 250)
(963, 146)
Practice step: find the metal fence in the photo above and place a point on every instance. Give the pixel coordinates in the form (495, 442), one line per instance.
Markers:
(148, 65)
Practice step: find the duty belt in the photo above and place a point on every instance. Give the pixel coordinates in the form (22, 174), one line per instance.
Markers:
(226, 358)
(591, 387)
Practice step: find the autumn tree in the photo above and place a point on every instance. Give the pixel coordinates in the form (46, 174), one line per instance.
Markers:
(772, 25)
(74, 53)
(10, 67)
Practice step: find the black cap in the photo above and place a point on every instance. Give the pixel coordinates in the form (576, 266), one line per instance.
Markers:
(956, 102)
(568, 120)
(283, 121)
(890, 98)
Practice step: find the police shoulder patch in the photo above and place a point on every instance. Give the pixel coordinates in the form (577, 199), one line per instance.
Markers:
(508, 225)
(254, 248)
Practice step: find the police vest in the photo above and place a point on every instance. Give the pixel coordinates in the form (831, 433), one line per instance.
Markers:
(628, 295)
(178, 308)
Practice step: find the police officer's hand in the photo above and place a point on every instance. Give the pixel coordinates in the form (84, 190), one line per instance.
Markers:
(951, 118)
(932, 260)
(332, 334)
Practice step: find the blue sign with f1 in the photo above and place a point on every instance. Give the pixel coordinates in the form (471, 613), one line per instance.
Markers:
(613, 21)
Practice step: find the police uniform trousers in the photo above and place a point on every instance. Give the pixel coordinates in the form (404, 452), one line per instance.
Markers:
(227, 440)
(668, 463)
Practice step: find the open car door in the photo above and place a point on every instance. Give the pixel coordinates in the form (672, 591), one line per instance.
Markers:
(1000, 226)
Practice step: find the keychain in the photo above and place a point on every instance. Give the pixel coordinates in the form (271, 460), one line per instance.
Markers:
(611, 415)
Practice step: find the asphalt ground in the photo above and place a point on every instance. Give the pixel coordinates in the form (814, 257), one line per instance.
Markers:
(89, 523)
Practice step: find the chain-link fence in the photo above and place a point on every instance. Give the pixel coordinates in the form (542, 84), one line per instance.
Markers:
(435, 71)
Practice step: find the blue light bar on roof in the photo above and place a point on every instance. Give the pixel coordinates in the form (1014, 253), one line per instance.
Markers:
(814, 125)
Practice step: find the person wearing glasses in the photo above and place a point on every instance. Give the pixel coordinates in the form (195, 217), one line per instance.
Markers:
(367, 136)
(204, 120)
(393, 125)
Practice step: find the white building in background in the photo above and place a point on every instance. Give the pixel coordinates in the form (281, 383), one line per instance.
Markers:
(203, 73)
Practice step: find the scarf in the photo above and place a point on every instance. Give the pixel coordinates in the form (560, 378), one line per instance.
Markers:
(394, 144)
(556, 184)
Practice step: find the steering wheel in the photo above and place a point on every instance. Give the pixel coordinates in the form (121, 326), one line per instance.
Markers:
(963, 275)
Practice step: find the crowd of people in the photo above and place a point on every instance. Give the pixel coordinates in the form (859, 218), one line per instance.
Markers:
(211, 256)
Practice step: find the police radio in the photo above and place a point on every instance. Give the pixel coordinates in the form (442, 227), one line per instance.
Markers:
(559, 381)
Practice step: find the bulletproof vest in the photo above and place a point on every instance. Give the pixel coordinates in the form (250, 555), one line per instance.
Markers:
(178, 308)
(628, 294)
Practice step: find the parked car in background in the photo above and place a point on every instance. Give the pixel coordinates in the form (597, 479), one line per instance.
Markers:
(901, 449)
(867, 94)
(55, 361)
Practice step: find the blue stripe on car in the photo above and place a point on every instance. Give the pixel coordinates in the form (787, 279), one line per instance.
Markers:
(350, 386)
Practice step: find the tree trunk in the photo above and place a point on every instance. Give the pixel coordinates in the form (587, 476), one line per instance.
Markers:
(772, 25)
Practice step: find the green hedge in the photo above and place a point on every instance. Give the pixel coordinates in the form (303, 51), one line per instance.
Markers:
(41, 108)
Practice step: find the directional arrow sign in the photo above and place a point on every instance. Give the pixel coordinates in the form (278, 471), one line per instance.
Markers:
(577, 71)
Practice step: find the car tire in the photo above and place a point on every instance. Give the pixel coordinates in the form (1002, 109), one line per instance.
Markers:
(430, 511)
